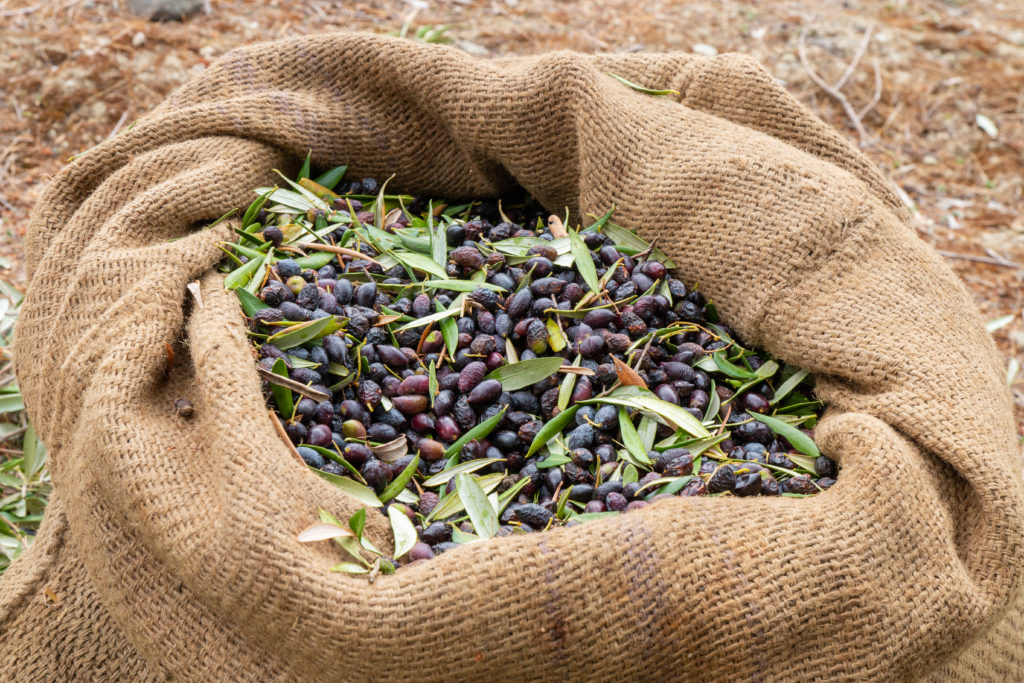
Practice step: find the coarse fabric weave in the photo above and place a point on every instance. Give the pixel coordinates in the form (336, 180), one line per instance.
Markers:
(170, 548)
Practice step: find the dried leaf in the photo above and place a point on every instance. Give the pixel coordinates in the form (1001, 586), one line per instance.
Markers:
(392, 450)
(321, 531)
(556, 227)
(628, 377)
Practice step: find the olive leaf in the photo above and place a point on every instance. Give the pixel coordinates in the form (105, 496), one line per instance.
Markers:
(399, 482)
(551, 428)
(632, 441)
(794, 436)
(251, 304)
(642, 399)
(331, 178)
(282, 395)
(478, 432)
(323, 531)
(480, 511)
(392, 450)
(452, 504)
(462, 468)
(568, 384)
(304, 171)
(427, 319)
(364, 494)
(628, 377)
(301, 333)
(640, 88)
(789, 385)
(730, 369)
(403, 530)
(249, 218)
(584, 262)
(525, 373)
(556, 338)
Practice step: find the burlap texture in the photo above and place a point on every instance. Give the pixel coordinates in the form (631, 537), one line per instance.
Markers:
(170, 549)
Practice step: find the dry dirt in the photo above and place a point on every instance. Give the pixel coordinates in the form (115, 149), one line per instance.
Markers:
(946, 123)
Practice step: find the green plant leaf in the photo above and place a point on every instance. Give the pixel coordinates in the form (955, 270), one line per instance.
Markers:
(789, 385)
(551, 428)
(304, 332)
(554, 460)
(525, 373)
(399, 482)
(33, 452)
(240, 276)
(282, 395)
(729, 368)
(584, 262)
(444, 476)
(459, 285)
(452, 504)
(350, 568)
(363, 494)
(631, 440)
(331, 178)
(403, 531)
(478, 432)
(420, 262)
(481, 514)
(642, 399)
(767, 370)
(427, 319)
(315, 260)
(640, 88)
(304, 171)
(11, 403)
(250, 214)
(794, 436)
(251, 303)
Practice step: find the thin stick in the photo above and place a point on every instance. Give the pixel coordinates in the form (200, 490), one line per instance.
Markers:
(284, 437)
(337, 250)
(833, 90)
(980, 259)
(297, 387)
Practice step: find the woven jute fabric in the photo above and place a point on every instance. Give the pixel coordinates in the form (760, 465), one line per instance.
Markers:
(170, 549)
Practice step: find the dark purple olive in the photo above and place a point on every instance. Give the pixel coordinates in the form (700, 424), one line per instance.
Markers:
(468, 257)
(410, 405)
(592, 346)
(748, 484)
(755, 403)
(420, 551)
(471, 375)
(416, 384)
(667, 393)
(486, 392)
(430, 450)
(444, 402)
(369, 392)
(423, 423)
(391, 356)
(601, 317)
(447, 429)
(366, 294)
(583, 391)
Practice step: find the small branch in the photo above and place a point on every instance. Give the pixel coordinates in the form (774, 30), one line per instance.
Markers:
(833, 90)
(980, 259)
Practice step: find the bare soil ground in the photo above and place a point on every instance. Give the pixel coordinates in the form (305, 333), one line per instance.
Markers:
(943, 116)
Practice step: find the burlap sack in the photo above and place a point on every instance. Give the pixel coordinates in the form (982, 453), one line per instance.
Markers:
(170, 548)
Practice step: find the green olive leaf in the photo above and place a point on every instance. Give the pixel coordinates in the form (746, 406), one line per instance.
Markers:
(403, 530)
(551, 428)
(442, 477)
(478, 432)
(789, 385)
(364, 494)
(632, 441)
(525, 373)
(396, 486)
(480, 511)
(584, 262)
(794, 436)
(331, 178)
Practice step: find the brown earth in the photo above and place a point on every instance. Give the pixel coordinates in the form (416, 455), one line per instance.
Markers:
(943, 115)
